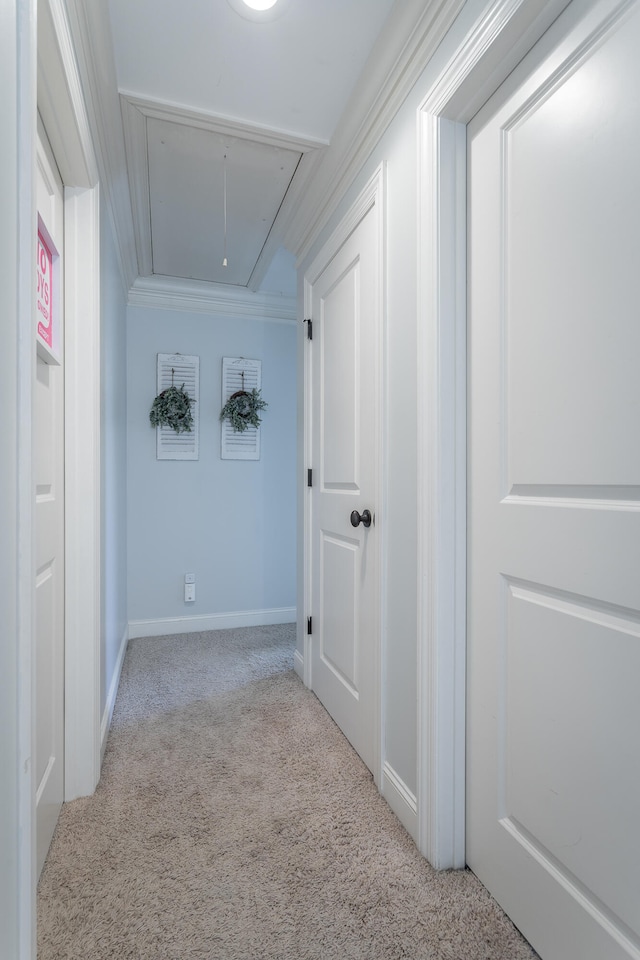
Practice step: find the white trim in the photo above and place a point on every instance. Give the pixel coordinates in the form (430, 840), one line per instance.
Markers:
(214, 621)
(297, 190)
(135, 113)
(298, 664)
(136, 109)
(372, 195)
(381, 466)
(305, 450)
(442, 496)
(498, 40)
(198, 296)
(401, 800)
(107, 713)
(57, 63)
(92, 50)
(136, 148)
(406, 44)
(64, 111)
(82, 491)
(18, 884)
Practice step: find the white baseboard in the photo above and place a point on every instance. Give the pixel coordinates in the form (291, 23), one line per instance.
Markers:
(401, 800)
(298, 664)
(112, 694)
(216, 621)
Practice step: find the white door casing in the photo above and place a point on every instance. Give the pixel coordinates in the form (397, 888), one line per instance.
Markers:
(344, 302)
(48, 439)
(494, 44)
(64, 113)
(553, 774)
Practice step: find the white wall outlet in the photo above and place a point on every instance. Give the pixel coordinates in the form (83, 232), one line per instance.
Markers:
(189, 578)
(189, 592)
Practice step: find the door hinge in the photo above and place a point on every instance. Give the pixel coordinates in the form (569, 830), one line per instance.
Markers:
(309, 626)
(309, 478)
(309, 329)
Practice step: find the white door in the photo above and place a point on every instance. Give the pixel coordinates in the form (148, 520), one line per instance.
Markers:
(49, 524)
(345, 308)
(554, 489)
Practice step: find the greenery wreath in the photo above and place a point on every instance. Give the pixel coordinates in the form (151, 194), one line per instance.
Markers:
(172, 408)
(241, 409)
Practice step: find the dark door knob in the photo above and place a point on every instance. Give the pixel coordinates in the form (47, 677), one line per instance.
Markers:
(364, 518)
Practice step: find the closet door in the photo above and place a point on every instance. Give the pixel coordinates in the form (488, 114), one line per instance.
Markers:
(554, 489)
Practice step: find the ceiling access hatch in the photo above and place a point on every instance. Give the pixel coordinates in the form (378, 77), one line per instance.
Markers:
(177, 162)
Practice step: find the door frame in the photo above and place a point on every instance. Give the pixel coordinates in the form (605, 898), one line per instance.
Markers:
(64, 115)
(371, 196)
(62, 106)
(494, 45)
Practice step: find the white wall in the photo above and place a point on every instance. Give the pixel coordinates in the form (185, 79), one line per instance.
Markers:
(230, 522)
(398, 151)
(113, 630)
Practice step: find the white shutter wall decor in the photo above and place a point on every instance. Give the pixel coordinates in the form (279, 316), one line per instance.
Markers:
(178, 369)
(239, 374)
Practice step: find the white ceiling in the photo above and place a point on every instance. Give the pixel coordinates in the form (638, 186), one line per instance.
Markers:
(200, 81)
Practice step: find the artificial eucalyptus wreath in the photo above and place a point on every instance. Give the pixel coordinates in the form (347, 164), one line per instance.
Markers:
(172, 408)
(241, 409)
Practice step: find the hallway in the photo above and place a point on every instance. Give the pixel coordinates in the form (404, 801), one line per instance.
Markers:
(234, 821)
(495, 146)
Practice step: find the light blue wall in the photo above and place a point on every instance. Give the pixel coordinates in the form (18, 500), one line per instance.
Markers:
(113, 458)
(230, 522)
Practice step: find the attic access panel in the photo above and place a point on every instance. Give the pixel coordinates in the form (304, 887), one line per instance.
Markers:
(186, 179)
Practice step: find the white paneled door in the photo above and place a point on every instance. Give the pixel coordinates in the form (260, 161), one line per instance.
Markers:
(554, 489)
(48, 428)
(345, 305)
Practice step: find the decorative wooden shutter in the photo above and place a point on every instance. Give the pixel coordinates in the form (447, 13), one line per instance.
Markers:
(178, 369)
(240, 374)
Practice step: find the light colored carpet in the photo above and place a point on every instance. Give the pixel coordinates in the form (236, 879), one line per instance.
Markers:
(234, 822)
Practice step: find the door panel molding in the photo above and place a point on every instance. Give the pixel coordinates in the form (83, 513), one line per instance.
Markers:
(554, 610)
(492, 48)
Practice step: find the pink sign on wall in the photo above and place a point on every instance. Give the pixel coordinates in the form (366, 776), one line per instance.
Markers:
(45, 291)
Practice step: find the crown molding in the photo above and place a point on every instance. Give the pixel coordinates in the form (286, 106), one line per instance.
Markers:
(217, 123)
(408, 41)
(196, 296)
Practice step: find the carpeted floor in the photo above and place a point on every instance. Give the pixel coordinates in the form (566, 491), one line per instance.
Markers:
(234, 822)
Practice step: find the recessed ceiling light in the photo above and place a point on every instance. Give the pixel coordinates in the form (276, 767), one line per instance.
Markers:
(260, 4)
(259, 10)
